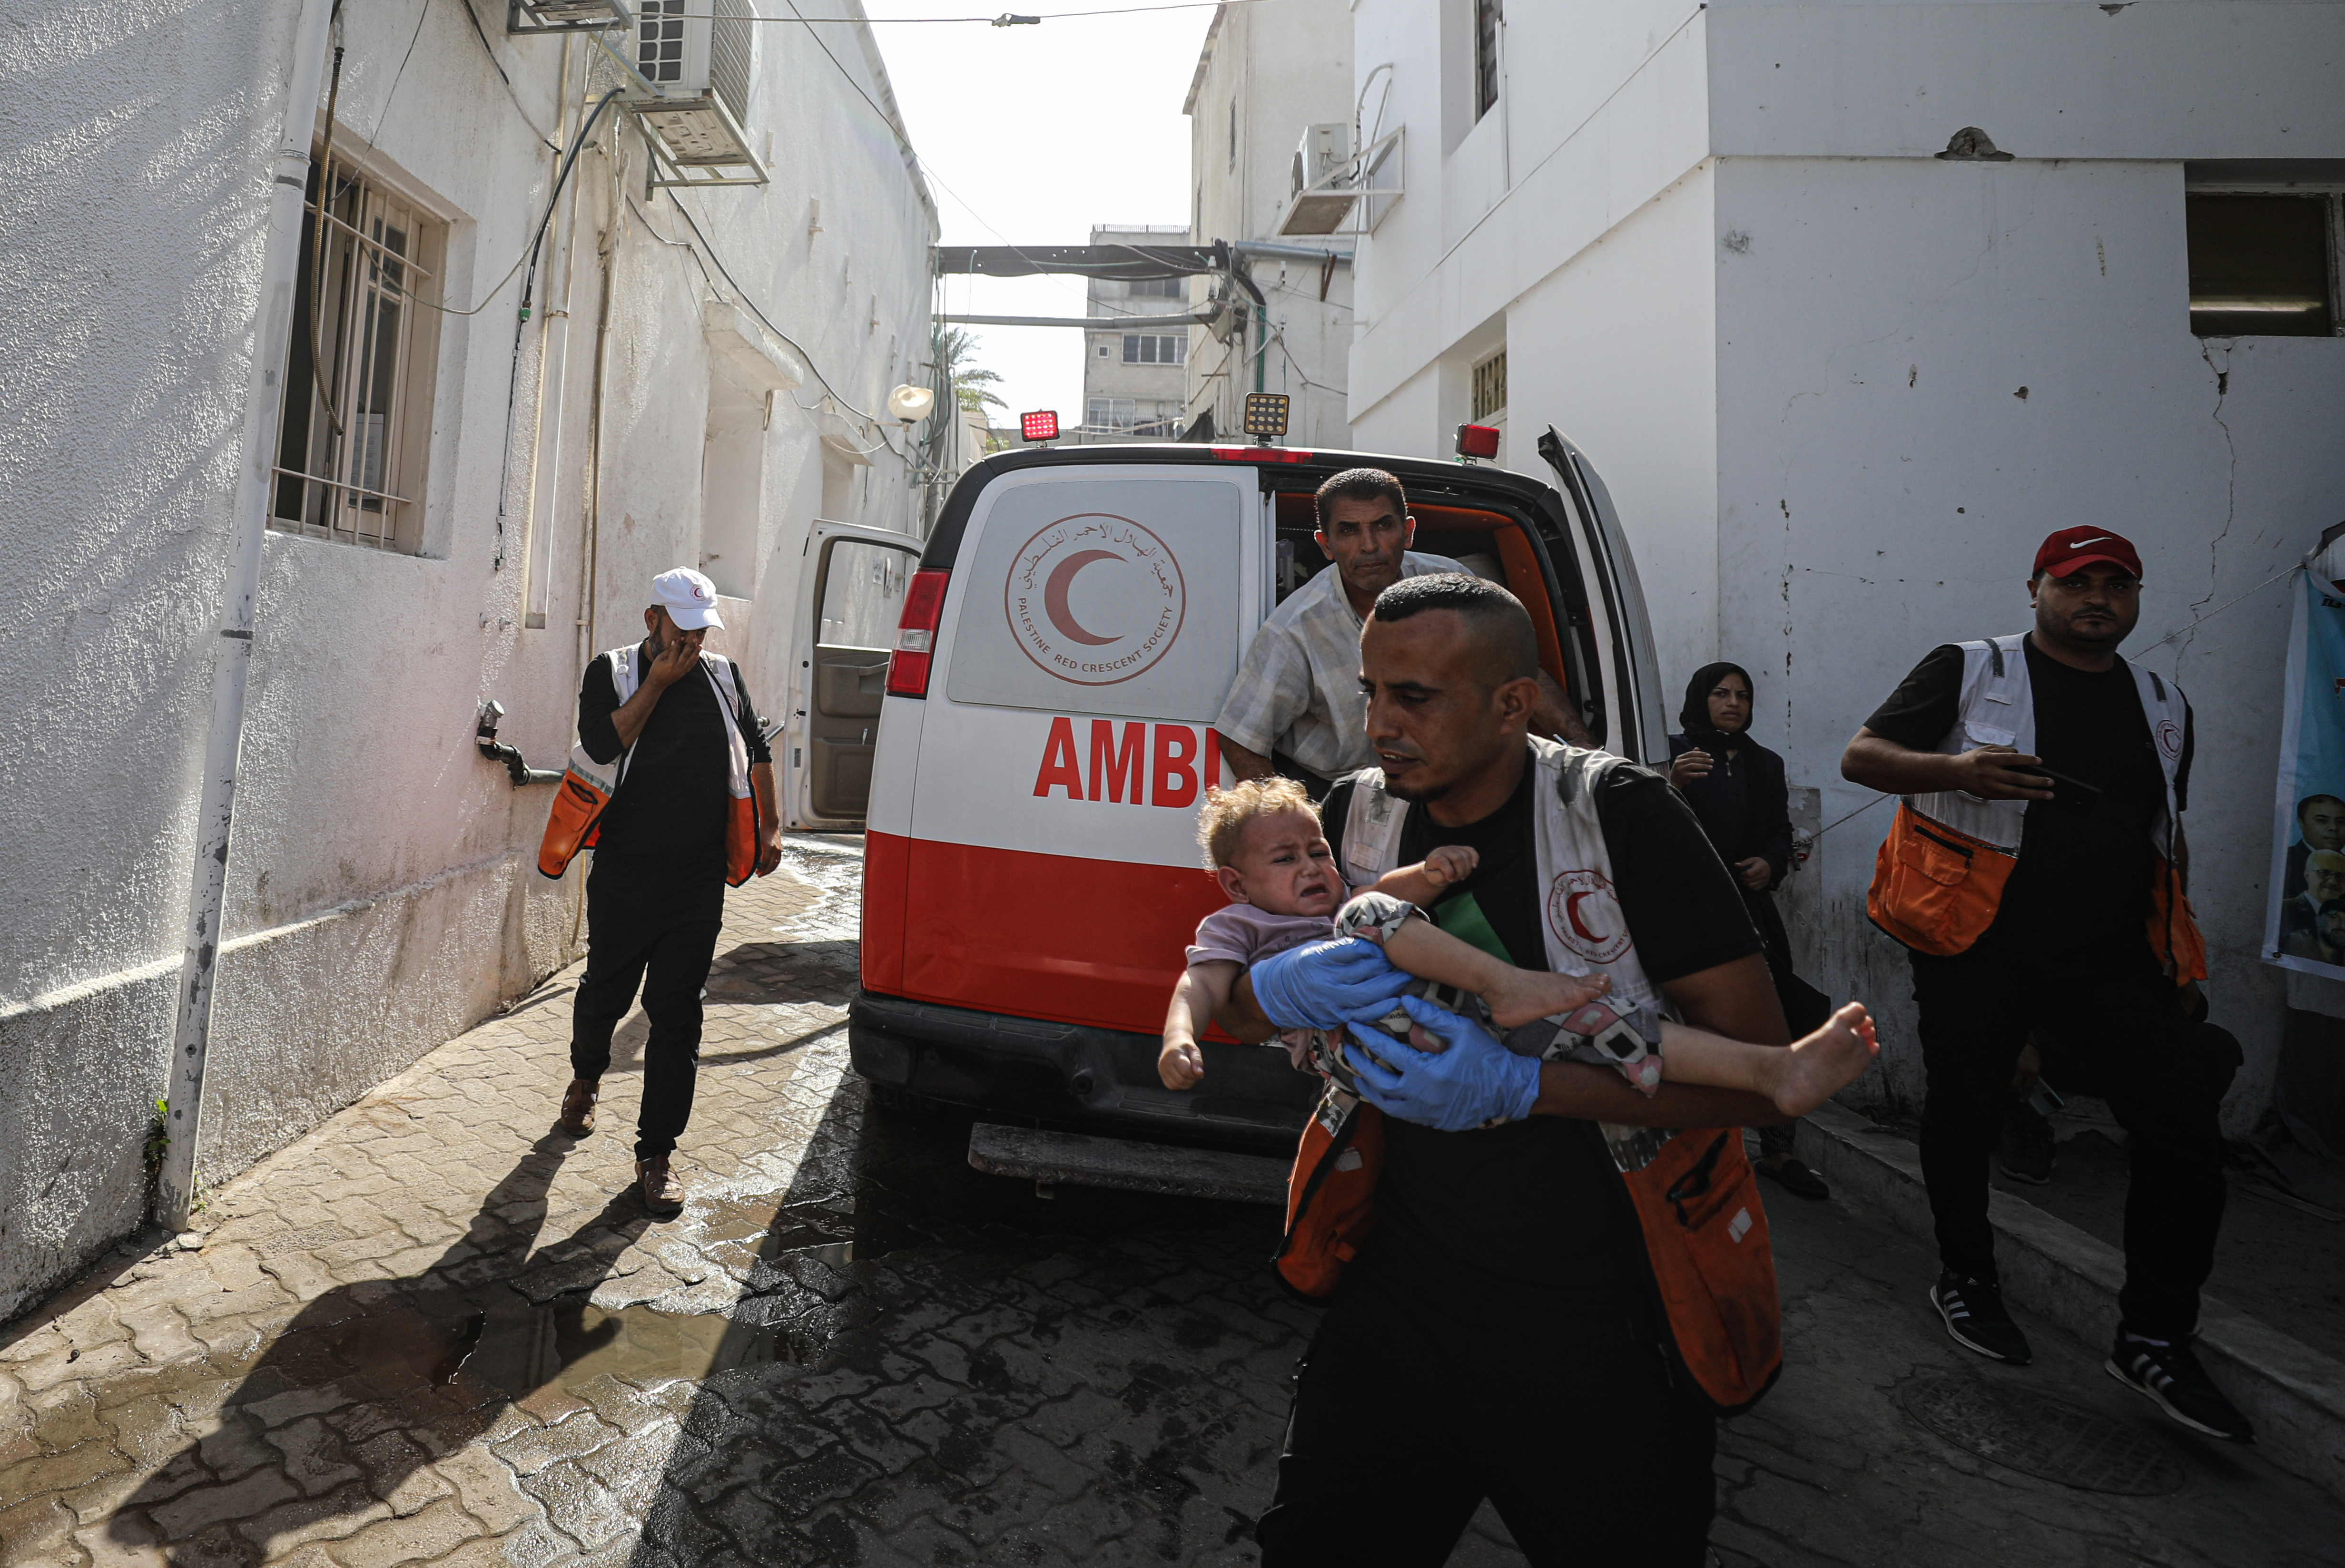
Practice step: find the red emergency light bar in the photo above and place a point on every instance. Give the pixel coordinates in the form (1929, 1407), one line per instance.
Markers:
(1477, 440)
(1262, 454)
(1042, 425)
(916, 633)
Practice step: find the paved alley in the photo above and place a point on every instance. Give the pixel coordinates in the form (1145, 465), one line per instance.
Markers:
(431, 1332)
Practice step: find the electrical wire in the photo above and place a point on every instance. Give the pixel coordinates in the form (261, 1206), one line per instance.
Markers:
(755, 310)
(499, 66)
(529, 251)
(1025, 19)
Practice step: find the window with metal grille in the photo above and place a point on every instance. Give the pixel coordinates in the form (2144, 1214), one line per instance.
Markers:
(1489, 387)
(2262, 265)
(1154, 348)
(1486, 18)
(358, 369)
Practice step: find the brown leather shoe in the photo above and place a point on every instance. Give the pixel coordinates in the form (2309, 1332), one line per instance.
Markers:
(662, 1188)
(577, 1117)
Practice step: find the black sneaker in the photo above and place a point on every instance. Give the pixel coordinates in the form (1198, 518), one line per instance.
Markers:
(1974, 1316)
(2029, 1157)
(2171, 1375)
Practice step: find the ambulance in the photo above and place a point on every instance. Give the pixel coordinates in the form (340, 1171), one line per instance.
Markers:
(1029, 754)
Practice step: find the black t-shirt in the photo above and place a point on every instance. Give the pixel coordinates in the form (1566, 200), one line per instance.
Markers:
(667, 820)
(1536, 1208)
(2083, 877)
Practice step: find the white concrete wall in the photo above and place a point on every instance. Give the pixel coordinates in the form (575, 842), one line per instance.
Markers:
(382, 893)
(1882, 487)
(1285, 67)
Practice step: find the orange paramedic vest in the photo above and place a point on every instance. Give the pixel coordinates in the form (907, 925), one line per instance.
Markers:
(1939, 876)
(588, 785)
(1692, 1190)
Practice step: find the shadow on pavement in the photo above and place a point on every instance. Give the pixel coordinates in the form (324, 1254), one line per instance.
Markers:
(329, 1424)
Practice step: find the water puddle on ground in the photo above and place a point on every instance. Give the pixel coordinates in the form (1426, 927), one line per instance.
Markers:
(758, 1230)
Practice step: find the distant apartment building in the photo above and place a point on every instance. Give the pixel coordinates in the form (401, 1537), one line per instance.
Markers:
(1135, 378)
(1273, 94)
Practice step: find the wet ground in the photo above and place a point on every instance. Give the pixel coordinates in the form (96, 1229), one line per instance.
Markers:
(433, 1332)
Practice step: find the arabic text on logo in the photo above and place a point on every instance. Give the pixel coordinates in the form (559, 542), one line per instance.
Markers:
(1095, 599)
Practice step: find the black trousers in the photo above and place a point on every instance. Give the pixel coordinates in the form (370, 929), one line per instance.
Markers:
(1405, 1418)
(2162, 1076)
(648, 932)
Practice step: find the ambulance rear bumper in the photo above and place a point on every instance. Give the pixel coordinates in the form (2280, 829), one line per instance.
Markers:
(1104, 1079)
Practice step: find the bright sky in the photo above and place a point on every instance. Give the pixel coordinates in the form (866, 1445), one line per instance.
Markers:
(1031, 135)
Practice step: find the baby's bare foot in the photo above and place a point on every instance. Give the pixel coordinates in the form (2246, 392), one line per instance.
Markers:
(1824, 1063)
(1530, 995)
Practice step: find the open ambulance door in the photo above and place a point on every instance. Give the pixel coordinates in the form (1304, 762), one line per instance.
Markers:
(850, 600)
(1638, 716)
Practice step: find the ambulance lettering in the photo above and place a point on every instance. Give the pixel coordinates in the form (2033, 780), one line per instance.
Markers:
(1170, 761)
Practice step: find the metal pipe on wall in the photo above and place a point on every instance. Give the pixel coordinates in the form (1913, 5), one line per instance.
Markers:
(232, 655)
(552, 372)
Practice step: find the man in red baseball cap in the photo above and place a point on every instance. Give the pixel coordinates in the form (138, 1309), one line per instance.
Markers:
(2035, 873)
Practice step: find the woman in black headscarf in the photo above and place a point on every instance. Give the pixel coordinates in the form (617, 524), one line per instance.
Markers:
(1736, 787)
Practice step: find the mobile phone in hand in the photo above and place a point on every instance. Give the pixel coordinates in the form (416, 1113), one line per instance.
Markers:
(2068, 793)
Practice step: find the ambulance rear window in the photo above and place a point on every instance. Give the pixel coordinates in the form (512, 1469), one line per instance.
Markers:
(863, 595)
(1104, 596)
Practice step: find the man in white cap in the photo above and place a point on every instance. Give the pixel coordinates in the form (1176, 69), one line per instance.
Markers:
(677, 829)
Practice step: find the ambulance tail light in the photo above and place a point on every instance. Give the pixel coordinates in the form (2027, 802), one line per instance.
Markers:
(916, 634)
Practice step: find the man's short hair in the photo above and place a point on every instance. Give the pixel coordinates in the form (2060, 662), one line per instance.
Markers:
(1360, 484)
(1507, 647)
(2308, 801)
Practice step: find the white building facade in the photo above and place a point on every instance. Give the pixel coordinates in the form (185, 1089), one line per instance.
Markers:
(1265, 76)
(1844, 365)
(1133, 377)
(467, 505)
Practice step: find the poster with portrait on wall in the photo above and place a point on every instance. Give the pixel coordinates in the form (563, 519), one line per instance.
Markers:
(2305, 926)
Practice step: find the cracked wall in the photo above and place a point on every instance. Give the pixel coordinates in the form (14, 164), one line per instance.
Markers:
(1883, 486)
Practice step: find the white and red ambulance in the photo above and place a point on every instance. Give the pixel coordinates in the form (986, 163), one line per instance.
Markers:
(1043, 733)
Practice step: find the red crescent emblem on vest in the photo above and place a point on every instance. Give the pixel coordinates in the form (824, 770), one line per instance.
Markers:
(1585, 916)
(2169, 739)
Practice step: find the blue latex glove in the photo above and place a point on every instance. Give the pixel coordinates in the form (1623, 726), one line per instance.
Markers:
(1322, 984)
(1475, 1080)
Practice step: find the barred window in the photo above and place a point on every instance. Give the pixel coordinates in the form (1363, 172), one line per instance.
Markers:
(1152, 348)
(358, 367)
(1489, 387)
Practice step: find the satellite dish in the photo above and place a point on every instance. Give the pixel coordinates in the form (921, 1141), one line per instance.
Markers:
(912, 404)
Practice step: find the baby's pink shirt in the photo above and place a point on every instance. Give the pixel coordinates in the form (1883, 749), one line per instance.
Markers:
(1242, 934)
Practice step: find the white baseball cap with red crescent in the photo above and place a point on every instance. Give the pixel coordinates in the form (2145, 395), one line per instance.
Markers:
(689, 599)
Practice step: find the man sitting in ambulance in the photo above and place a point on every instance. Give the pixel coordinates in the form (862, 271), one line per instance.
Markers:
(1296, 707)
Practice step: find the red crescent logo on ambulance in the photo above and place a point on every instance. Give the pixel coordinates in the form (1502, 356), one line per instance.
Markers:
(1095, 599)
(1586, 917)
(1054, 595)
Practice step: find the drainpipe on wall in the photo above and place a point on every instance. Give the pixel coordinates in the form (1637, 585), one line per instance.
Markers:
(232, 655)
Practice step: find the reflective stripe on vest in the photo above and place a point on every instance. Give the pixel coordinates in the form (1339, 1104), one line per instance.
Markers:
(1585, 931)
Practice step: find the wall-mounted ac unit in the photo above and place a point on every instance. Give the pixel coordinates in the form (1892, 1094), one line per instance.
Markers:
(1319, 196)
(688, 70)
(528, 17)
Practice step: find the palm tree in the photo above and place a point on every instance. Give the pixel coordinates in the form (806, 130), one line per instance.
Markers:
(972, 386)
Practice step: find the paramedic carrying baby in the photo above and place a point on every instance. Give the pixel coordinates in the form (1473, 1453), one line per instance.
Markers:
(1295, 706)
(691, 812)
(1499, 1331)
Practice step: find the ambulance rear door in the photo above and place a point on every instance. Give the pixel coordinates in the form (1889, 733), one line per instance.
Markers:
(1093, 620)
(850, 597)
(1638, 714)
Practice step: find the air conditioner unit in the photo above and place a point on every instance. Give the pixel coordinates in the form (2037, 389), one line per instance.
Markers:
(525, 18)
(1320, 198)
(688, 84)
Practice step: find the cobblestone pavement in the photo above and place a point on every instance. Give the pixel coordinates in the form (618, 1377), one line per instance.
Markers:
(432, 1332)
